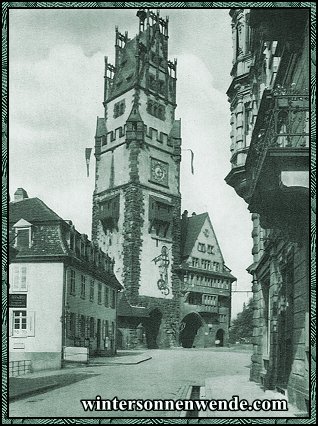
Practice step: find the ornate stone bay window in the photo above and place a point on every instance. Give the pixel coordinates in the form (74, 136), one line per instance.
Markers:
(269, 98)
(277, 164)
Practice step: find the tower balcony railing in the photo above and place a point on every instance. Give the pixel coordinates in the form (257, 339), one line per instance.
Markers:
(203, 289)
(208, 309)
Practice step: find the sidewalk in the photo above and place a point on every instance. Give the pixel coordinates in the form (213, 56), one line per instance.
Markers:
(226, 387)
(122, 358)
(43, 381)
(34, 383)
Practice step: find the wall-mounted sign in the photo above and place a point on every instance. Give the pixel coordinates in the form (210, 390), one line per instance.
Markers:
(163, 258)
(17, 300)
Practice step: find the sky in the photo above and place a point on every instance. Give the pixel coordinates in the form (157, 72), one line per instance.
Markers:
(56, 68)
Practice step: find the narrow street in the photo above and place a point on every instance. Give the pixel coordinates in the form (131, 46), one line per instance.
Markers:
(169, 374)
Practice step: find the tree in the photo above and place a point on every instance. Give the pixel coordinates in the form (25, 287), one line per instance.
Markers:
(242, 326)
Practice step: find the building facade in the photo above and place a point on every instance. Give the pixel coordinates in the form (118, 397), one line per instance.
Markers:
(269, 97)
(63, 292)
(206, 285)
(136, 202)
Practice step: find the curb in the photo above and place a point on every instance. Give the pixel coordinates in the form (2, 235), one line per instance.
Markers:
(120, 363)
(36, 391)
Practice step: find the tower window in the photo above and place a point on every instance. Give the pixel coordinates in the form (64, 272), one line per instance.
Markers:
(152, 82)
(156, 109)
(161, 85)
(119, 108)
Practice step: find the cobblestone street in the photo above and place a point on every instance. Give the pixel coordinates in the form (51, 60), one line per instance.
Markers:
(169, 374)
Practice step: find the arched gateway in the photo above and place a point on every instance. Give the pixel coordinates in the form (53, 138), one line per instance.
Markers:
(152, 326)
(188, 329)
(219, 337)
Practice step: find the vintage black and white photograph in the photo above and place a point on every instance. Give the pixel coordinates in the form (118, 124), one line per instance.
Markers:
(158, 212)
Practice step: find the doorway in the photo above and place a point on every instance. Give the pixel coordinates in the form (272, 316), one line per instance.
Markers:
(152, 326)
(219, 338)
(188, 329)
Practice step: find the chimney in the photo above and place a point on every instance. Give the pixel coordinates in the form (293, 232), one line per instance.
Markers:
(194, 214)
(20, 194)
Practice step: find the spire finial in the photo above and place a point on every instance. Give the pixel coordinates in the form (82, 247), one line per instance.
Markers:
(142, 15)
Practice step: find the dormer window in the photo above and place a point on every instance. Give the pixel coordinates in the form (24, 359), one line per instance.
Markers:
(22, 234)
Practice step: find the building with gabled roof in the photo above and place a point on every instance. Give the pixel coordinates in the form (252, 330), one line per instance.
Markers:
(62, 289)
(206, 290)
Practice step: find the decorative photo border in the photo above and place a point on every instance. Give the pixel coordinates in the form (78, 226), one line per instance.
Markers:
(6, 6)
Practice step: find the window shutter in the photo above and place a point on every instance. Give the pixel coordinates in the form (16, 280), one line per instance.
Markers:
(87, 328)
(68, 280)
(10, 322)
(68, 325)
(77, 325)
(104, 330)
(23, 278)
(16, 278)
(31, 323)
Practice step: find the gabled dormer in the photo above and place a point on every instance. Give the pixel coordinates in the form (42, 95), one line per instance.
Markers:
(23, 234)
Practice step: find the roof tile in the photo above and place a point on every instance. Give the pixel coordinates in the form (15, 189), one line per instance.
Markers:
(31, 210)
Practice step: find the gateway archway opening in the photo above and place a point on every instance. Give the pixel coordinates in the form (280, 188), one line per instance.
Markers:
(152, 326)
(219, 338)
(189, 328)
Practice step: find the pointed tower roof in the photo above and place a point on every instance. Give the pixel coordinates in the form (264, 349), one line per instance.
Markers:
(175, 131)
(100, 127)
(135, 115)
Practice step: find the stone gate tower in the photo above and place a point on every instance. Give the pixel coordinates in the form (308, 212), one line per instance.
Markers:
(136, 202)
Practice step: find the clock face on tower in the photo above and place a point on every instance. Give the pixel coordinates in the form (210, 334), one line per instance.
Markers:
(159, 172)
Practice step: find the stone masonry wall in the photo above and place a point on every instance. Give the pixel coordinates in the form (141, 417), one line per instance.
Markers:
(133, 222)
(168, 335)
(266, 366)
(298, 384)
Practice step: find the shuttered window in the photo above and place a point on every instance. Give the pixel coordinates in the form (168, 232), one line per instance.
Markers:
(19, 278)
